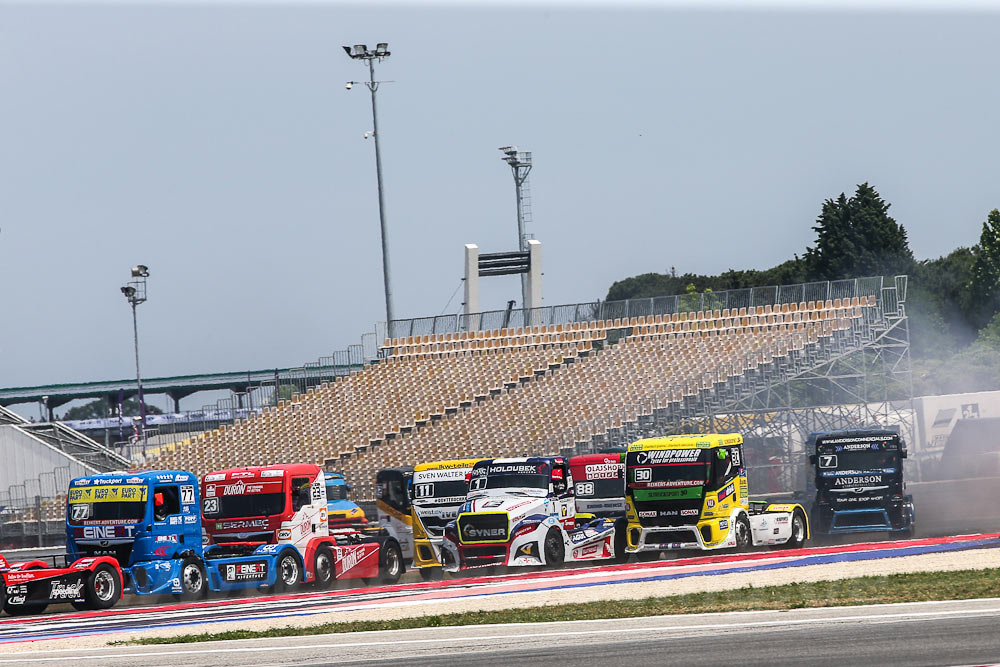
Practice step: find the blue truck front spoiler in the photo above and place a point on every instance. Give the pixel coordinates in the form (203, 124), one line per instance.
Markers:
(878, 520)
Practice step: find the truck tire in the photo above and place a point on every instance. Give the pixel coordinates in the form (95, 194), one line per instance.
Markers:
(323, 568)
(555, 550)
(430, 573)
(744, 539)
(289, 574)
(621, 541)
(390, 562)
(647, 556)
(103, 588)
(194, 584)
(798, 537)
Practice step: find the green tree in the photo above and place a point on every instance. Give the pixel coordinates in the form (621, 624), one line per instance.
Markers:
(983, 294)
(856, 237)
(96, 410)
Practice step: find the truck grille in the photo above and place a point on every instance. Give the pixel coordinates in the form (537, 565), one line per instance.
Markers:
(490, 527)
(670, 536)
(484, 555)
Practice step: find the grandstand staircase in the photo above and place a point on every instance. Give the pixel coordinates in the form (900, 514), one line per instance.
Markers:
(73, 444)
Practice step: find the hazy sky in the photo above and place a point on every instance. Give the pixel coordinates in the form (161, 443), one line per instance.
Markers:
(216, 143)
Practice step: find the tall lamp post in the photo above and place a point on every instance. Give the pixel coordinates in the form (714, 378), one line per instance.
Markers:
(361, 52)
(135, 292)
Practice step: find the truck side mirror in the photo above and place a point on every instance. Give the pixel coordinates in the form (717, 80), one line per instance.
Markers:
(812, 459)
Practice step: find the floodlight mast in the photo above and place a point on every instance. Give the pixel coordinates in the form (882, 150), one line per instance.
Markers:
(361, 52)
(135, 292)
(520, 165)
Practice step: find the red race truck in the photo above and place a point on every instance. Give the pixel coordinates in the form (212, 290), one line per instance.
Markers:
(269, 526)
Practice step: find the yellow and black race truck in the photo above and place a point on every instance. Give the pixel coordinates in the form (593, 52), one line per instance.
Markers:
(691, 492)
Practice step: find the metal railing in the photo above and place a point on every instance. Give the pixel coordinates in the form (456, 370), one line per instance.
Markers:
(658, 305)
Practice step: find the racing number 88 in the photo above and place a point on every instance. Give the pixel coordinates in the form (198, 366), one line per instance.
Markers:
(584, 488)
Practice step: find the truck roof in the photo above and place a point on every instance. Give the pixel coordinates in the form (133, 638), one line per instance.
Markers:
(584, 459)
(529, 459)
(445, 465)
(289, 469)
(134, 477)
(891, 432)
(696, 440)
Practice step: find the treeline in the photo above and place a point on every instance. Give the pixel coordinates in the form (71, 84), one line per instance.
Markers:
(953, 302)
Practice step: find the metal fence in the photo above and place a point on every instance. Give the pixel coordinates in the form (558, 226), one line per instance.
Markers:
(31, 513)
(658, 305)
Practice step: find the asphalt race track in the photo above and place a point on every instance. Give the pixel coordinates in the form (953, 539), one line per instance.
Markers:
(927, 633)
(200, 616)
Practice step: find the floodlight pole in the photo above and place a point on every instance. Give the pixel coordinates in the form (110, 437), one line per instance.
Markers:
(373, 86)
(361, 52)
(135, 292)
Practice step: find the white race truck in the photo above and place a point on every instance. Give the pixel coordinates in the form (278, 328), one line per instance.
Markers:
(522, 511)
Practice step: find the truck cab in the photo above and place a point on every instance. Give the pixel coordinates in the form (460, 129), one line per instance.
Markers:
(438, 489)
(341, 512)
(858, 477)
(522, 511)
(691, 492)
(599, 484)
(392, 502)
(148, 521)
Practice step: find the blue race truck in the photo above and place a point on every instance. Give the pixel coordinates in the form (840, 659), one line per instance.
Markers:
(858, 481)
(343, 512)
(151, 523)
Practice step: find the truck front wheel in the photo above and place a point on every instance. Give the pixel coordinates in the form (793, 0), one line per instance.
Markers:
(742, 528)
(193, 582)
(555, 550)
(289, 572)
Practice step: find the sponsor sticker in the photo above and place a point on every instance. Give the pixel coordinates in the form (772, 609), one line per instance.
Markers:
(109, 494)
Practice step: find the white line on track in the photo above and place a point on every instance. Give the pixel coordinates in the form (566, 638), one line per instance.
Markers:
(898, 617)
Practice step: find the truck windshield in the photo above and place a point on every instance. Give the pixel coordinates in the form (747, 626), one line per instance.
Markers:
(126, 503)
(867, 457)
(601, 488)
(439, 491)
(245, 506)
(131, 512)
(668, 468)
(510, 476)
(336, 492)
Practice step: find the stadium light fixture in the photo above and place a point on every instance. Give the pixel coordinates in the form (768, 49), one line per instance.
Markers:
(361, 52)
(135, 293)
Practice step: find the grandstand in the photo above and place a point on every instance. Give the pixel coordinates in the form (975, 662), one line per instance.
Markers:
(540, 385)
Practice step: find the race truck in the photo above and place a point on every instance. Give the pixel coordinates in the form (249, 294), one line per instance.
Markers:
(85, 583)
(151, 524)
(599, 483)
(268, 526)
(859, 483)
(341, 512)
(522, 511)
(691, 492)
(395, 511)
(437, 490)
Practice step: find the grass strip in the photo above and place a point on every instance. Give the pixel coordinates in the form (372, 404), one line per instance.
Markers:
(909, 587)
